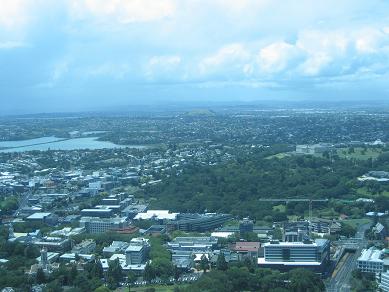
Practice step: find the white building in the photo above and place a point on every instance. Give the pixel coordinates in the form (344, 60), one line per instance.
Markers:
(101, 225)
(137, 252)
(384, 285)
(371, 261)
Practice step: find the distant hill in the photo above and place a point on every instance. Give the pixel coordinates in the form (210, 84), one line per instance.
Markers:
(200, 112)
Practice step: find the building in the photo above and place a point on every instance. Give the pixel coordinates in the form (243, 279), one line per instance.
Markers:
(296, 231)
(132, 210)
(84, 247)
(314, 255)
(67, 232)
(43, 217)
(55, 244)
(371, 261)
(324, 226)
(183, 260)
(313, 149)
(246, 226)
(137, 252)
(247, 249)
(384, 284)
(101, 213)
(379, 231)
(199, 222)
(115, 247)
(101, 225)
(156, 230)
(158, 215)
(195, 244)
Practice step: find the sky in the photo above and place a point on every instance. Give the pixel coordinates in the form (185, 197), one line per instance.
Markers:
(70, 55)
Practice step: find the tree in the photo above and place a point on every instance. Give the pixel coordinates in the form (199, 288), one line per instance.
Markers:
(149, 273)
(221, 263)
(53, 286)
(204, 263)
(302, 280)
(40, 276)
(102, 289)
(131, 277)
(114, 273)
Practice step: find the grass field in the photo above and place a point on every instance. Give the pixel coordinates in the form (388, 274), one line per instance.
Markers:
(279, 156)
(359, 153)
(356, 222)
(280, 208)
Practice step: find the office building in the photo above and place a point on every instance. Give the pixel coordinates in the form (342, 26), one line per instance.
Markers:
(101, 213)
(115, 247)
(384, 284)
(246, 226)
(199, 222)
(43, 217)
(137, 252)
(195, 244)
(314, 255)
(100, 225)
(84, 247)
(371, 261)
(55, 244)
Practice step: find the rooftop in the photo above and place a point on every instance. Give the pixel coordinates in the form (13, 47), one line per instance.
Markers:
(371, 254)
(247, 246)
(39, 215)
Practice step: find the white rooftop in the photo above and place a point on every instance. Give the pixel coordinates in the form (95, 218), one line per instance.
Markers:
(39, 215)
(158, 214)
(371, 255)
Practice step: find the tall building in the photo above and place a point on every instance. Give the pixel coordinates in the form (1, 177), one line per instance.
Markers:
(137, 252)
(314, 255)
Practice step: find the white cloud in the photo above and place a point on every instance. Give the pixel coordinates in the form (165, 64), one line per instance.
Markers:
(14, 13)
(115, 70)
(12, 45)
(278, 56)
(122, 11)
(232, 56)
(163, 67)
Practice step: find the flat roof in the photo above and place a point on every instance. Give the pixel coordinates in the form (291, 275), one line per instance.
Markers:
(160, 214)
(134, 248)
(97, 210)
(39, 215)
(317, 242)
(371, 254)
(247, 246)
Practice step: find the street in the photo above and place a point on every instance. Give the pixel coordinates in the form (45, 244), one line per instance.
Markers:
(340, 281)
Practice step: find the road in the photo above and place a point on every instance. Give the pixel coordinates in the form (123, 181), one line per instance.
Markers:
(341, 279)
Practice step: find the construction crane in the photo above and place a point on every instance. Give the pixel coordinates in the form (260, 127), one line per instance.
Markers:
(287, 200)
